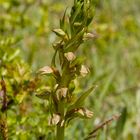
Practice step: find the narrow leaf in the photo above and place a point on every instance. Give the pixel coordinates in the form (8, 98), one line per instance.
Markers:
(79, 102)
(62, 21)
(121, 122)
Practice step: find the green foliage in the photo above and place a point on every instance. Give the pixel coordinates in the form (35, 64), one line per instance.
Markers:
(16, 82)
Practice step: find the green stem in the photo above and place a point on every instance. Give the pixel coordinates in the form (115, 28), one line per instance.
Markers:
(60, 132)
(60, 129)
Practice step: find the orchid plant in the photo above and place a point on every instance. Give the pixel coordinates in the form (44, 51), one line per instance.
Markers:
(66, 67)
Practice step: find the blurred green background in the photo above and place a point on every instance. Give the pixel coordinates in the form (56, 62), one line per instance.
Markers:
(113, 58)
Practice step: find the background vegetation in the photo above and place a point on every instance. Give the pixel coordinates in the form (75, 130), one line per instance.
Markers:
(114, 60)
